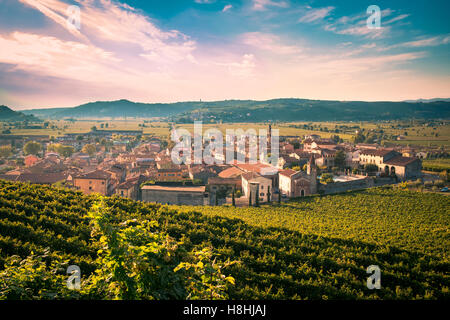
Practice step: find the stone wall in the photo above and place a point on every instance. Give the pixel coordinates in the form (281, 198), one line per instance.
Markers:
(174, 197)
(368, 182)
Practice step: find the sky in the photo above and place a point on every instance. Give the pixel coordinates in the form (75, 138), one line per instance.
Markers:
(187, 50)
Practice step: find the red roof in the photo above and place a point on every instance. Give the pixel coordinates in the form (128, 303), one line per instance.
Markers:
(97, 174)
(400, 161)
(377, 153)
(288, 172)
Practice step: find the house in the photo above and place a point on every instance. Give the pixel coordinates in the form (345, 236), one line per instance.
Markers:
(130, 188)
(402, 167)
(391, 162)
(36, 178)
(287, 161)
(216, 184)
(255, 184)
(179, 195)
(297, 183)
(118, 172)
(97, 181)
(377, 157)
(326, 158)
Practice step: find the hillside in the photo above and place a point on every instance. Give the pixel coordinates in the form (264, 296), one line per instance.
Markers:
(254, 111)
(316, 248)
(6, 114)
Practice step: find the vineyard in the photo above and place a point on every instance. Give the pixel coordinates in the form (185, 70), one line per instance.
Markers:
(314, 248)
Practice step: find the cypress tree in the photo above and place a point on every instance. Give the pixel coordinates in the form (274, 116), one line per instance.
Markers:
(268, 194)
(232, 198)
(250, 199)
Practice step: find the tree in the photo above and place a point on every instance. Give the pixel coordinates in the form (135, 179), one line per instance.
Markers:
(326, 178)
(32, 147)
(279, 196)
(359, 138)
(268, 194)
(94, 128)
(5, 151)
(339, 159)
(66, 151)
(89, 149)
(250, 199)
(233, 201)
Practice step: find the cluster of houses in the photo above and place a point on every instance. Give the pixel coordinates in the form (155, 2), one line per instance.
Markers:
(146, 171)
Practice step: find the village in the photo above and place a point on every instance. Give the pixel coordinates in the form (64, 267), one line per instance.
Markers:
(123, 163)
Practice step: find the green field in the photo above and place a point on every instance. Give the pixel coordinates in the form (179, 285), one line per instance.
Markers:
(415, 134)
(436, 164)
(316, 248)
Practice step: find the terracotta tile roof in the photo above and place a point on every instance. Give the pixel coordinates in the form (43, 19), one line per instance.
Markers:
(231, 172)
(287, 172)
(97, 174)
(175, 188)
(42, 178)
(219, 180)
(401, 161)
(378, 153)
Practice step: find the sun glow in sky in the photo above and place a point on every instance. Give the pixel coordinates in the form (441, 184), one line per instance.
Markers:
(173, 50)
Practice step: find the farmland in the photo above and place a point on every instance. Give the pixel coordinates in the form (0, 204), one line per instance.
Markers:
(317, 248)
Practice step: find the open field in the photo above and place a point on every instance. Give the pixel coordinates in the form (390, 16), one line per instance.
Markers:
(62, 127)
(437, 164)
(412, 133)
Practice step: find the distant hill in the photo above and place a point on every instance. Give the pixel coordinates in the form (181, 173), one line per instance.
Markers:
(254, 111)
(429, 100)
(6, 114)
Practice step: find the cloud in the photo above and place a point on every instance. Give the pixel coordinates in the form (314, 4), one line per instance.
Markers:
(268, 42)
(53, 57)
(120, 23)
(227, 7)
(427, 42)
(397, 18)
(313, 15)
(261, 5)
(356, 25)
(204, 1)
(243, 68)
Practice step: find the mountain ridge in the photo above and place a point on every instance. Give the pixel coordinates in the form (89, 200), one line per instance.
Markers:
(281, 109)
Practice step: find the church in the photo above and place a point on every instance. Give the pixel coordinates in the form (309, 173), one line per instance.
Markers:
(298, 183)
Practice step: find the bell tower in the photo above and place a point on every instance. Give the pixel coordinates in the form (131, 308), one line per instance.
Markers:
(312, 174)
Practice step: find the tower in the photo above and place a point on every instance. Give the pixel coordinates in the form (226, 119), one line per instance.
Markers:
(269, 136)
(312, 174)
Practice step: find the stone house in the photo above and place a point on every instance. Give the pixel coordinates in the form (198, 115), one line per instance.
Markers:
(98, 181)
(298, 183)
(262, 182)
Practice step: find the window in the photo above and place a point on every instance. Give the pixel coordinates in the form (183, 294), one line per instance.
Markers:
(262, 194)
(103, 182)
(262, 187)
(90, 188)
